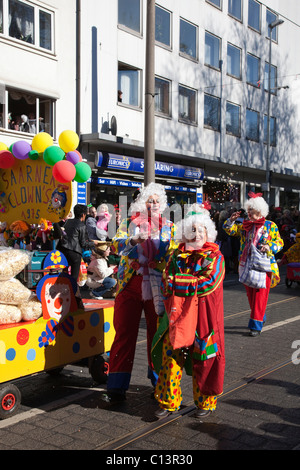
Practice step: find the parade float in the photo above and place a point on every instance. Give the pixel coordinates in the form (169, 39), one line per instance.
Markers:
(44, 324)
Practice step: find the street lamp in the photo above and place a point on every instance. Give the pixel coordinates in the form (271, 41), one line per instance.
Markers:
(271, 26)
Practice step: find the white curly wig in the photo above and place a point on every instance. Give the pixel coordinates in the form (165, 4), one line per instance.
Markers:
(198, 216)
(258, 204)
(139, 205)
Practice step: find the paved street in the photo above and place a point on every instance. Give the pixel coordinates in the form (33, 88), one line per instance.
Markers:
(259, 409)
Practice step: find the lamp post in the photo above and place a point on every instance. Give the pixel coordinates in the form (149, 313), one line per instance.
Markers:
(271, 26)
(149, 153)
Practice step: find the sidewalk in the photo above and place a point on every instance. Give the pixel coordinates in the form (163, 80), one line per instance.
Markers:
(259, 409)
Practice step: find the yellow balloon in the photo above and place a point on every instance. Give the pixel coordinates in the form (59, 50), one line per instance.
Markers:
(41, 141)
(68, 141)
(3, 146)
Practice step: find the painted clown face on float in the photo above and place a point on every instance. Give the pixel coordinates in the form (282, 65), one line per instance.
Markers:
(56, 291)
(57, 296)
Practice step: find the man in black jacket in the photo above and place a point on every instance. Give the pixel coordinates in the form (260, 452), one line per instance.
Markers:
(75, 239)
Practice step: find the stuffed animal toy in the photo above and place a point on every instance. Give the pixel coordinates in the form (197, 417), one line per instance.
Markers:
(103, 218)
(3, 234)
(44, 235)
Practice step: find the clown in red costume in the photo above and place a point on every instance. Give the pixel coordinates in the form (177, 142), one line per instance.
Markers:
(191, 333)
(264, 235)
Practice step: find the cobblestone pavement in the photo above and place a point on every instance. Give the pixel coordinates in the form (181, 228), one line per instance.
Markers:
(259, 409)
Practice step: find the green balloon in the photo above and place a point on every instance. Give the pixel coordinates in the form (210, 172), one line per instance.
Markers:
(33, 154)
(53, 155)
(83, 172)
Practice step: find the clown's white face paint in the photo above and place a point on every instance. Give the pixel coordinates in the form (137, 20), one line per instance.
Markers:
(58, 300)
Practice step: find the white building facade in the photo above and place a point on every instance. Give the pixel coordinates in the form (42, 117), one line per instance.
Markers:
(211, 85)
(38, 68)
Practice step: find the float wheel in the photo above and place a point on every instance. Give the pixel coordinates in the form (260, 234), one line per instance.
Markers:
(10, 400)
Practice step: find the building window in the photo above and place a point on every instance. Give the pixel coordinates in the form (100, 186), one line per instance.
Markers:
(252, 125)
(212, 50)
(233, 119)
(188, 39)
(254, 9)
(187, 105)
(272, 130)
(212, 112)
(45, 30)
(233, 61)
(162, 26)
(235, 9)
(129, 84)
(129, 14)
(29, 113)
(270, 17)
(217, 3)
(27, 23)
(273, 84)
(162, 96)
(253, 70)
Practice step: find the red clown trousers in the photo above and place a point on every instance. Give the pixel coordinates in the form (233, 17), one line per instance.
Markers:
(129, 306)
(258, 299)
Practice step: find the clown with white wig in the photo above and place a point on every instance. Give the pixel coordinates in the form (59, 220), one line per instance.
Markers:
(191, 332)
(264, 235)
(144, 241)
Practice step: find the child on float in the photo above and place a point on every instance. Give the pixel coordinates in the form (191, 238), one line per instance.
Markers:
(191, 332)
(99, 272)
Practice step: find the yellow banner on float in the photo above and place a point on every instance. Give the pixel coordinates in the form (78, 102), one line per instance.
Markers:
(28, 191)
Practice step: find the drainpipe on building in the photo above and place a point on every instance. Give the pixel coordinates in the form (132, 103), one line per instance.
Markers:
(149, 137)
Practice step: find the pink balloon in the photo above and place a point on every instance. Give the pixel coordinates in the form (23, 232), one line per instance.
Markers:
(21, 149)
(79, 155)
(64, 171)
(73, 157)
(7, 159)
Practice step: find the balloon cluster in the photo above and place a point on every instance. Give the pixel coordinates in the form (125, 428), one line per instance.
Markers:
(65, 159)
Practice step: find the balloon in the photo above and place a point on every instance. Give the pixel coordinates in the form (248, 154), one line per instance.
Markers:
(33, 155)
(73, 157)
(7, 159)
(79, 154)
(21, 149)
(68, 141)
(83, 172)
(3, 146)
(64, 171)
(53, 155)
(41, 141)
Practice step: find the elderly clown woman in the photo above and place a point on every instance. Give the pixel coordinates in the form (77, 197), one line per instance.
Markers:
(264, 234)
(144, 241)
(191, 332)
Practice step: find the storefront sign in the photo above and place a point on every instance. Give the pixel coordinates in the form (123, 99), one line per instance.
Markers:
(81, 193)
(133, 184)
(118, 162)
(31, 193)
(114, 182)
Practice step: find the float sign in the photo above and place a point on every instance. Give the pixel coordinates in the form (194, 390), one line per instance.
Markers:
(28, 191)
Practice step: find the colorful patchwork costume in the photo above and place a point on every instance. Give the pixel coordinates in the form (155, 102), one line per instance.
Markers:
(266, 233)
(191, 332)
(139, 280)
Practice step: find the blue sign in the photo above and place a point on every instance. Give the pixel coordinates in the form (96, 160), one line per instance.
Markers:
(119, 162)
(81, 193)
(133, 184)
